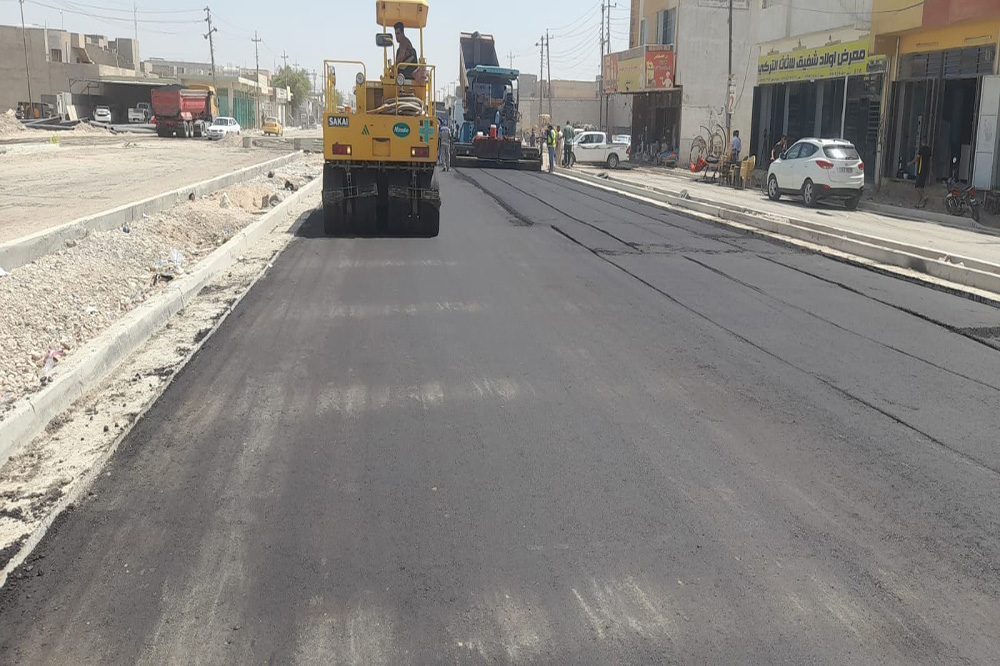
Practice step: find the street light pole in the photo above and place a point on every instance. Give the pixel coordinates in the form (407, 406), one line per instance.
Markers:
(27, 72)
(256, 54)
(729, 80)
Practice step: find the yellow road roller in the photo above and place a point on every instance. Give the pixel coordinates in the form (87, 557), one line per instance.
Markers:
(380, 153)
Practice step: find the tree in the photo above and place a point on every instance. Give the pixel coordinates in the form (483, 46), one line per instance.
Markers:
(296, 80)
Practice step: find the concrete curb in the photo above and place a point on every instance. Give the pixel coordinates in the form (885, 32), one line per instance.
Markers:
(960, 270)
(23, 251)
(898, 212)
(102, 354)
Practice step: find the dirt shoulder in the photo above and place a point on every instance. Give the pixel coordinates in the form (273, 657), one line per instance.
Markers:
(53, 187)
(63, 300)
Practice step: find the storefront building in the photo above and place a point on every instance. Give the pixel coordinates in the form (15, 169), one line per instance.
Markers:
(944, 88)
(824, 85)
(646, 74)
(677, 73)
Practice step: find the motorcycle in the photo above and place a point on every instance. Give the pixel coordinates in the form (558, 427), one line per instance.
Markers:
(961, 198)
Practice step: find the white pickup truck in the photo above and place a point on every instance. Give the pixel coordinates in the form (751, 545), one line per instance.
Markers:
(594, 148)
(141, 113)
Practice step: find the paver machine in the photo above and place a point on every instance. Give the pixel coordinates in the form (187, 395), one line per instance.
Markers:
(380, 155)
(489, 136)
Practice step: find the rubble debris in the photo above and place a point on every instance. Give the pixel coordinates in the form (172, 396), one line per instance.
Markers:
(9, 124)
(224, 202)
(66, 298)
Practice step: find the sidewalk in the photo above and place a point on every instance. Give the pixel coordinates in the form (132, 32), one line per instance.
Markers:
(954, 237)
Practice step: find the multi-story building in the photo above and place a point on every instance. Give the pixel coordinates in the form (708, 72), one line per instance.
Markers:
(62, 64)
(943, 89)
(679, 73)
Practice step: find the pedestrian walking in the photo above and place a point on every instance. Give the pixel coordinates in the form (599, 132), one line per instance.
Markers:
(534, 138)
(551, 139)
(568, 135)
(444, 147)
(559, 140)
(922, 161)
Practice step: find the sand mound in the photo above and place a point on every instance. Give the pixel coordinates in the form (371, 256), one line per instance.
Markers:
(87, 128)
(9, 124)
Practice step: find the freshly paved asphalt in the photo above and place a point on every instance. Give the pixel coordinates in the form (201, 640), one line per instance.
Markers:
(575, 429)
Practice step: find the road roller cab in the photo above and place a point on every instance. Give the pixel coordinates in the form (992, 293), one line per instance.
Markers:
(380, 154)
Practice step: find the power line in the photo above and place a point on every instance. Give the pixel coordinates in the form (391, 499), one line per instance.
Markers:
(132, 10)
(585, 16)
(110, 18)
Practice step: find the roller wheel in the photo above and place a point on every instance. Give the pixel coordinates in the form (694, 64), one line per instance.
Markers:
(334, 215)
(363, 211)
(430, 216)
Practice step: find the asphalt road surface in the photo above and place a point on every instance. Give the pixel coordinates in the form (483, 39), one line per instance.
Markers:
(574, 429)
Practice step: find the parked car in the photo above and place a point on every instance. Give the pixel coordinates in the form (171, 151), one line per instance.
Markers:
(622, 138)
(222, 127)
(272, 126)
(102, 114)
(594, 148)
(817, 170)
(141, 113)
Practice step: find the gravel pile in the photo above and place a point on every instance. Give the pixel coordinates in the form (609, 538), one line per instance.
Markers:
(87, 128)
(231, 140)
(61, 301)
(9, 124)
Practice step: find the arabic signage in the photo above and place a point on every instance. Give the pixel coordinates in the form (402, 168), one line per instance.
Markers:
(724, 4)
(827, 62)
(643, 69)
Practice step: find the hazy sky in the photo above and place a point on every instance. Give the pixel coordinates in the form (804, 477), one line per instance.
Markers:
(311, 31)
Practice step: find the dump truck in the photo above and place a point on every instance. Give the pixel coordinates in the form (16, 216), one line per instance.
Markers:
(184, 112)
(489, 135)
(380, 154)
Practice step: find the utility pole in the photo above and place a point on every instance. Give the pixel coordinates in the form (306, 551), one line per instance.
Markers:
(548, 61)
(211, 44)
(27, 73)
(730, 88)
(284, 58)
(135, 43)
(600, 110)
(607, 40)
(510, 56)
(541, 72)
(256, 56)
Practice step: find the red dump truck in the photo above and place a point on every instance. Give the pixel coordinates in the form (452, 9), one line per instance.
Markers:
(184, 112)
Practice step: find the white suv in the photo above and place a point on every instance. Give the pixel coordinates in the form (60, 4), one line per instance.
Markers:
(818, 169)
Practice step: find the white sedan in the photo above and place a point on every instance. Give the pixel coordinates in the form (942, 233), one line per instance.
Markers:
(223, 126)
(818, 169)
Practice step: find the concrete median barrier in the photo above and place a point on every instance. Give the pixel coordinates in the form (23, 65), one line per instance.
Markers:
(24, 250)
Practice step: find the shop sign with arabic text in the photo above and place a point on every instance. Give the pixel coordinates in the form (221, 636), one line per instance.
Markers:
(827, 62)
